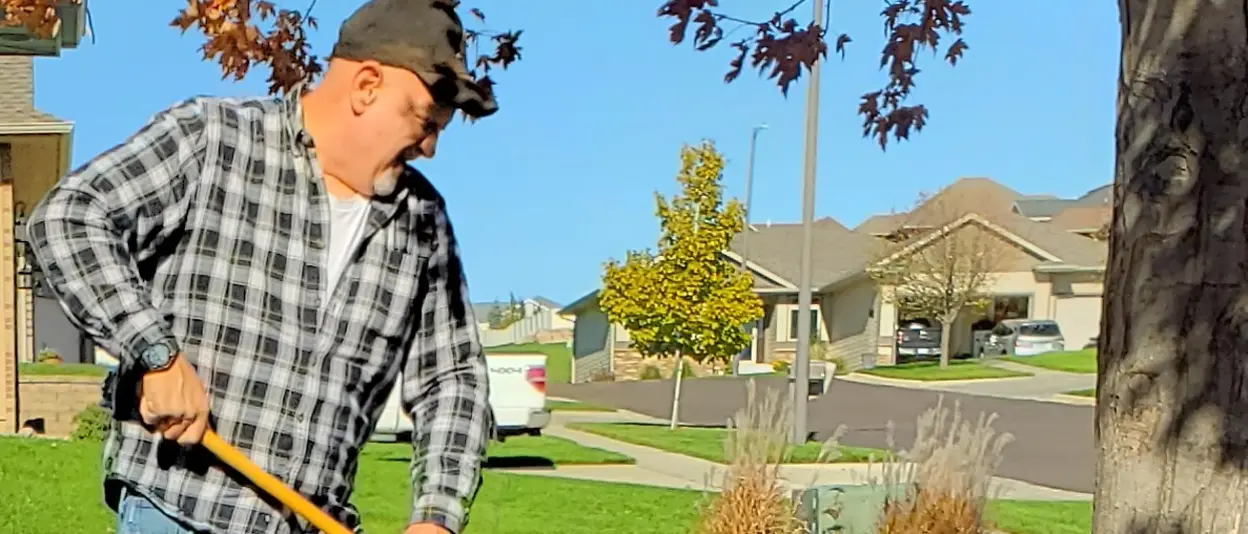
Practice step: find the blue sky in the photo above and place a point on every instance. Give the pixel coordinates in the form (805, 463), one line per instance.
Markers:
(593, 118)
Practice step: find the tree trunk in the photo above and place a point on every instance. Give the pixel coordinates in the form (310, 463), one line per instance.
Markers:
(680, 371)
(1172, 438)
(946, 328)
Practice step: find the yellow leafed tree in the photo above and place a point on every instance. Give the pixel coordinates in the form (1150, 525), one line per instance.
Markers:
(686, 299)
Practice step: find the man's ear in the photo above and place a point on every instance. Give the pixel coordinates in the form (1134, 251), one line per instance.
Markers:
(365, 86)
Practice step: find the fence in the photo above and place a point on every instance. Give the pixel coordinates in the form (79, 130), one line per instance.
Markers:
(521, 331)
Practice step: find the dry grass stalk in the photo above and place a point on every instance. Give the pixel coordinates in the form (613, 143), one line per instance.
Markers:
(754, 498)
(946, 477)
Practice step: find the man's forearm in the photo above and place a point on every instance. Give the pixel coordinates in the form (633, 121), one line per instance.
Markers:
(449, 446)
(138, 192)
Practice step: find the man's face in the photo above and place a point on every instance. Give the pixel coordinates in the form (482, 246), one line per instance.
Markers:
(396, 117)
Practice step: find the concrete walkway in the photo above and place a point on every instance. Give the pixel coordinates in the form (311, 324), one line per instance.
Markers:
(1044, 385)
(655, 467)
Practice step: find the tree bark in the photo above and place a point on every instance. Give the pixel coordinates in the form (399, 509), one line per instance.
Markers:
(680, 371)
(1172, 438)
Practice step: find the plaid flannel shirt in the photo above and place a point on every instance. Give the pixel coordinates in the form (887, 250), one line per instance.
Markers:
(208, 227)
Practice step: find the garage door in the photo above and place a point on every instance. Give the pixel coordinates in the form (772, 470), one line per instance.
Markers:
(1080, 319)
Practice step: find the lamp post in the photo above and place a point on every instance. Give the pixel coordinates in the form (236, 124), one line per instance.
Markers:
(800, 387)
(745, 233)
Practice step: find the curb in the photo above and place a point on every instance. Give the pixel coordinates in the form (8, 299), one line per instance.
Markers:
(868, 379)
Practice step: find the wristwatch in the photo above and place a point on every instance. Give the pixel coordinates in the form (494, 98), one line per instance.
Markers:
(158, 356)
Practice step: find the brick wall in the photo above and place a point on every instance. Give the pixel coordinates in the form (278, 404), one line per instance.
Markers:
(56, 399)
(628, 365)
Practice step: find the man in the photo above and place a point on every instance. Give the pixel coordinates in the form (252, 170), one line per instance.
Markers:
(267, 268)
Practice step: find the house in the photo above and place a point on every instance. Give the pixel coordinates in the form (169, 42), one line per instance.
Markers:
(34, 153)
(542, 321)
(1046, 271)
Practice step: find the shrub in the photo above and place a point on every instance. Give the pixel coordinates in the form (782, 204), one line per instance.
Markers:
(47, 355)
(945, 476)
(781, 366)
(686, 370)
(91, 424)
(651, 372)
(754, 498)
(602, 376)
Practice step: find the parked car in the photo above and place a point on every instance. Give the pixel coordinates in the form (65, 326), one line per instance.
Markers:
(517, 398)
(1026, 337)
(918, 338)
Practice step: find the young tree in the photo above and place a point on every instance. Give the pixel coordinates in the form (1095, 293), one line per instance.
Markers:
(686, 300)
(241, 34)
(942, 272)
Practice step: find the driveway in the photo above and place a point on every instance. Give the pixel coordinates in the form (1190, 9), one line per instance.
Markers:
(1053, 443)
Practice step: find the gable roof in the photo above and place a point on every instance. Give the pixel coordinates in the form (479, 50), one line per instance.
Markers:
(1082, 217)
(1050, 207)
(775, 249)
(920, 241)
(17, 96)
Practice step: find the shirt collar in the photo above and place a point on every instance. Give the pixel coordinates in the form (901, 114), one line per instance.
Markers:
(293, 107)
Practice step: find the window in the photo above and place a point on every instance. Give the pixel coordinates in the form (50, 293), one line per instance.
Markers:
(1011, 307)
(814, 325)
(1045, 329)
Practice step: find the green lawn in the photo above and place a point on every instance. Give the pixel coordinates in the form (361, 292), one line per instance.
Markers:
(1070, 361)
(707, 443)
(575, 406)
(43, 479)
(558, 358)
(1083, 393)
(931, 371)
(62, 369)
(555, 450)
(1039, 517)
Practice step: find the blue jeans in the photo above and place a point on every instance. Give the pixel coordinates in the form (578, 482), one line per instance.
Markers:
(137, 515)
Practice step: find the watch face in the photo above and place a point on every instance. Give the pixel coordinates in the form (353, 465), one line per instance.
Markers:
(157, 356)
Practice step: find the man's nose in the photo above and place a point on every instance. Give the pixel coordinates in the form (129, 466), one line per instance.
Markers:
(428, 146)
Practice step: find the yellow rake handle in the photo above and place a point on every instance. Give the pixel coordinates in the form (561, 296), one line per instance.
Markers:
(272, 485)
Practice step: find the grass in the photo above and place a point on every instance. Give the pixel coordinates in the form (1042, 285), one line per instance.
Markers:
(58, 476)
(558, 358)
(1070, 361)
(1083, 393)
(61, 369)
(575, 406)
(708, 443)
(929, 371)
(1039, 517)
(518, 450)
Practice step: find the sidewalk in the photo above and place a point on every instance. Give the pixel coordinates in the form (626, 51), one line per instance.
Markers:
(1045, 385)
(655, 467)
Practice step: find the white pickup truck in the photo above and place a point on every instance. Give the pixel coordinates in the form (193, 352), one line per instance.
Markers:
(517, 397)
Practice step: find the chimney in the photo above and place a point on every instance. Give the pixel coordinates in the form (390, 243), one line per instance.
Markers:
(17, 83)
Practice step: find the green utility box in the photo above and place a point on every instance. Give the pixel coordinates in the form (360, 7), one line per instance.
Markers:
(845, 509)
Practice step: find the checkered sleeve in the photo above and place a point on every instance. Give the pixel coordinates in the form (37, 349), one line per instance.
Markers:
(94, 229)
(445, 391)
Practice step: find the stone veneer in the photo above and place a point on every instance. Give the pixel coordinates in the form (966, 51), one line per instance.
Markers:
(56, 399)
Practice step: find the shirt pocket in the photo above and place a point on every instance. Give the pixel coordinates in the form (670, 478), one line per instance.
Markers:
(391, 287)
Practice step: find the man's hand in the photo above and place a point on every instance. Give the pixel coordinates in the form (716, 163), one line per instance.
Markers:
(425, 528)
(174, 401)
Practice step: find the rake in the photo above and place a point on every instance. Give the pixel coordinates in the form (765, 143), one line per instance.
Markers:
(271, 485)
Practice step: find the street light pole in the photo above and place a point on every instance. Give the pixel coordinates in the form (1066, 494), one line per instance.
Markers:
(745, 234)
(801, 365)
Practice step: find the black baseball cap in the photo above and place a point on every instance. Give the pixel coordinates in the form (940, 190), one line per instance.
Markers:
(425, 37)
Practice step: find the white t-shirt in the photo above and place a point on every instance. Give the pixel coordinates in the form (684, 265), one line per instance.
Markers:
(347, 220)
